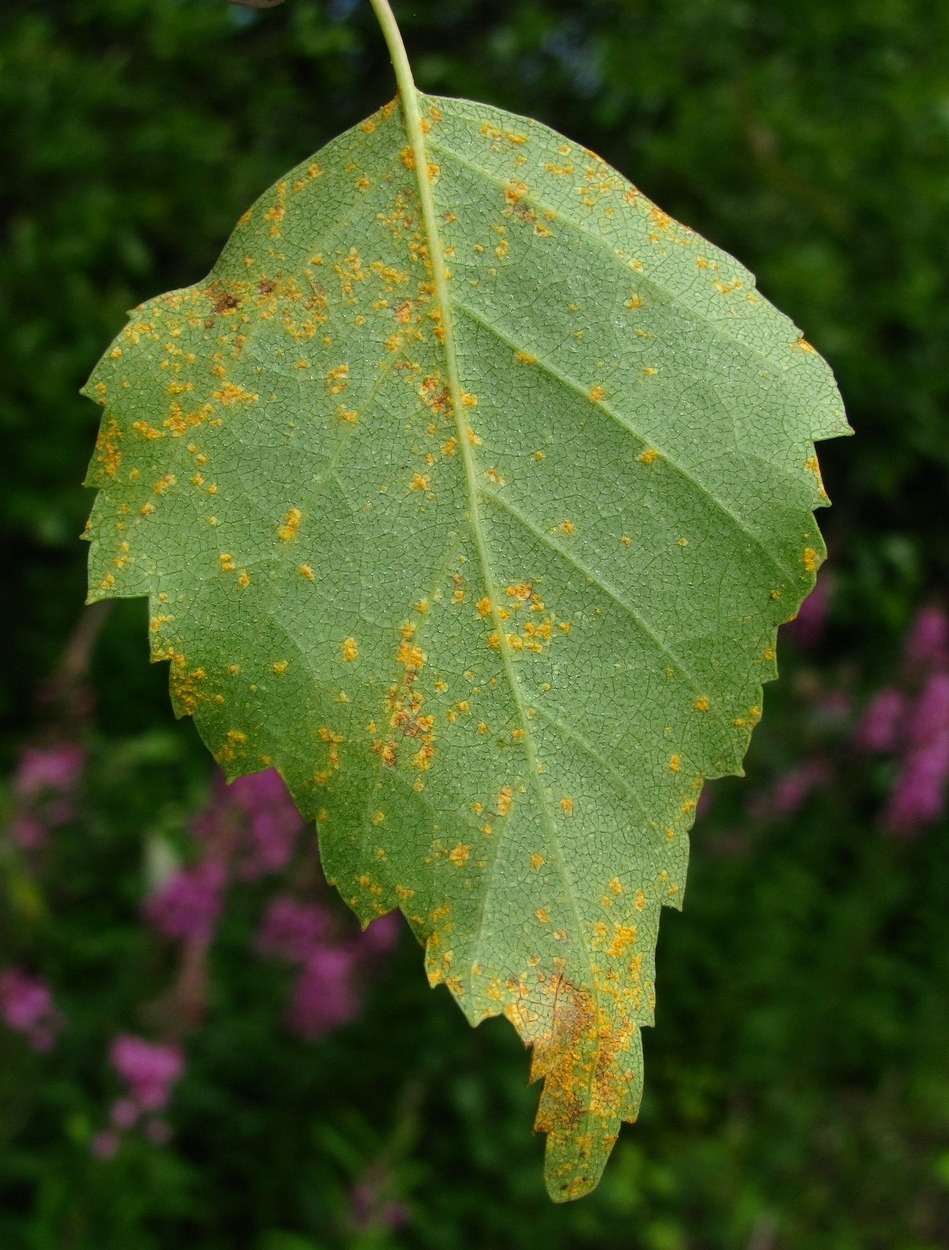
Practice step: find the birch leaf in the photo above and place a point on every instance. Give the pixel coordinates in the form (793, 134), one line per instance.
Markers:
(470, 497)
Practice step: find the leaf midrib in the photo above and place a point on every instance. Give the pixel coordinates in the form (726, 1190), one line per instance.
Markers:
(413, 127)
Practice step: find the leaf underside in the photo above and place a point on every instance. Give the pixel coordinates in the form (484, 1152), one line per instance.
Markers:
(490, 570)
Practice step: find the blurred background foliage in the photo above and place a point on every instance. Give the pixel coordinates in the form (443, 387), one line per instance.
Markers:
(797, 1083)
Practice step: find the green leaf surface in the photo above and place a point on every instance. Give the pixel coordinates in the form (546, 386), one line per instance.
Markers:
(469, 490)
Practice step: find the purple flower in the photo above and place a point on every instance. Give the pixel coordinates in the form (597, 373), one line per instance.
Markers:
(292, 930)
(930, 716)
(124, 1113)
(26, 1006)
(919, 794)
(323, 996)
(149, 1069)
(807, 628)
(189, 903)
(104, 1144)
(253, 822)
(28, 832)
(371, 1209)
(381, 935)
(48, 770)
(927, 642)
(791, 790)
(881, 724)
(44, 787)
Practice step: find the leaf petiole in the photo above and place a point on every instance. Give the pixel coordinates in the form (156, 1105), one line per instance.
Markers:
(398, 55)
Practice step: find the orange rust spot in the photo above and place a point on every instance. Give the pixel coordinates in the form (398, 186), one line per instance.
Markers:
(407, 157)
(231, 393)
(597, 394)
(419, 481)
(537, 861)
(526, 358)
(459, 855)
(624, 936)
(336, 379)
(566, 805)
(290, 525)
(701, 704)
(305, 571)
(350, 650)
(675, 763)
(648, 456)
(280, 666)
(410, 657)
(811, 559)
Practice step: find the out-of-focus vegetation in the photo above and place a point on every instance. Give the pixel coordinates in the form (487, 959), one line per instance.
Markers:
(299, 1087)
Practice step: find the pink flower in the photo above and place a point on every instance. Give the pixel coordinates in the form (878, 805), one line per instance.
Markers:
(189, 903)
(149, 1069)
(381, 935)
(292, 930)
(124, 1112)
(253, 822)
(791, 790)
(807, 628)
(880, 726)
(26, 1006)
(919, 794)
(28, 832)
(48, 770)
(930, 716)
(927, 642)
(104, 1144)
(323, 996)
(371, 1208)
(44, 787)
